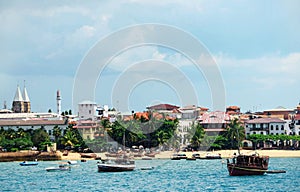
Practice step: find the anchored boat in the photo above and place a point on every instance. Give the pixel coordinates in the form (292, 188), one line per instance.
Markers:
(248, 165)
(25, 163)
(117, 165)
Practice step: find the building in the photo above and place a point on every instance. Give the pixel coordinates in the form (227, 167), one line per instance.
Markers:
(267, 126)
(26, 124)
(295, 122)
(163, 108)
(187, 116)
(21, 103)
(87, 110)
(233, 110)
(279, 112)
(214, 122)
(88, 129)
(192, 112)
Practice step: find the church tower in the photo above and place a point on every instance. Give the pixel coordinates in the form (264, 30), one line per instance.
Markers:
(26, 101)
(18, 103)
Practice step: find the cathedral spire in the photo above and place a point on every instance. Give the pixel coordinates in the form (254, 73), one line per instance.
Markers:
(18, 95)
(25, 94)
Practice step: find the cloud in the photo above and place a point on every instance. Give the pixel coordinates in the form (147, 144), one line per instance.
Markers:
(265, 72)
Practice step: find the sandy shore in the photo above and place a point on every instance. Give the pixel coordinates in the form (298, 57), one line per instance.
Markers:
(224, 154)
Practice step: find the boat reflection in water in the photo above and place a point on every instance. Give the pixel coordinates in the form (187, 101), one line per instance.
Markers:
(248, 165)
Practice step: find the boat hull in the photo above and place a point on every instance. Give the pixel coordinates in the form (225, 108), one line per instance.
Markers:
(55, 169)
(29, 164)
(115, 168)
(235, 170)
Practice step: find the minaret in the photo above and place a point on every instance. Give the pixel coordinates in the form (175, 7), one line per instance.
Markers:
(58, 102)
(18, 103)
(26, 100)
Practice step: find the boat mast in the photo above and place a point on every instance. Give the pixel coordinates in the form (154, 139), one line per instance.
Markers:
(238, 139)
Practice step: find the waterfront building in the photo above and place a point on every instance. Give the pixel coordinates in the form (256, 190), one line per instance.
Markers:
(266, 126)
(37, 123)
(295, 121)
(214, 122)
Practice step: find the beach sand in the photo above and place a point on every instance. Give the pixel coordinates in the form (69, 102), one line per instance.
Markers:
(224, 154)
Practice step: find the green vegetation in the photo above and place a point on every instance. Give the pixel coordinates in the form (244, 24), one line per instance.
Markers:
(150, 133)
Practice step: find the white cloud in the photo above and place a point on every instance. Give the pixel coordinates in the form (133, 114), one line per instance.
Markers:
(267, 71)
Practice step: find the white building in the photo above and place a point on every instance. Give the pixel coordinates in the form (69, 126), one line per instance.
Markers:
(183, 127)
(87, 110)
(26, 124)
(267, 126)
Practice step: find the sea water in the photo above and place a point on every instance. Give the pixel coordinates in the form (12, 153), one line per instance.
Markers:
(167, 175)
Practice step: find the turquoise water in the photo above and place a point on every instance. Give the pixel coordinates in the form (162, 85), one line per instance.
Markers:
(200, 175)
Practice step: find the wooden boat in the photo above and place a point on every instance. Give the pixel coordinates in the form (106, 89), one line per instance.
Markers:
(248, 165)
(63, 167)
(25, 163)
(117, 165)
(121, 163)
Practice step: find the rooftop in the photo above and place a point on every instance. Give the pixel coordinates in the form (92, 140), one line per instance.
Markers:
(214, 117)
(265, 120)
(163, 107)
(31, 122)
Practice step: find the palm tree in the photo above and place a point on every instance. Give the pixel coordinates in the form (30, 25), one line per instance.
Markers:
(70, 138)
(56, 132)
(199, 133)
(235, 131)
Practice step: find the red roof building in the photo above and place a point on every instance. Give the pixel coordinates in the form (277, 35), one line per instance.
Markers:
(162, 107)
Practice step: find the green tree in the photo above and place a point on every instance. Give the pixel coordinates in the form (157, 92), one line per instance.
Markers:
(235, 133)
(198, 135)
(40, 138)
(57, 133)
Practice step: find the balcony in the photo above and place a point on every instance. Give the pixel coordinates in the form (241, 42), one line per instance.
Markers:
(259, 129)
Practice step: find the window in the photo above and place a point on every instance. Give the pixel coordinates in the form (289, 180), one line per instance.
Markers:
(277, 127)
(272, 127)
(49, 132)
(261, 133)
(282, 127)
(32, 127)
(254, 132)
(272, 133)
(276, 133)
(90, 111)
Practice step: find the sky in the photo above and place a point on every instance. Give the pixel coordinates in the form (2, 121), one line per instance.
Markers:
(254, 44)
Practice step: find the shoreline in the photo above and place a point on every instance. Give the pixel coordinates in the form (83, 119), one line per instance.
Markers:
(224, 154)
(161, 155)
